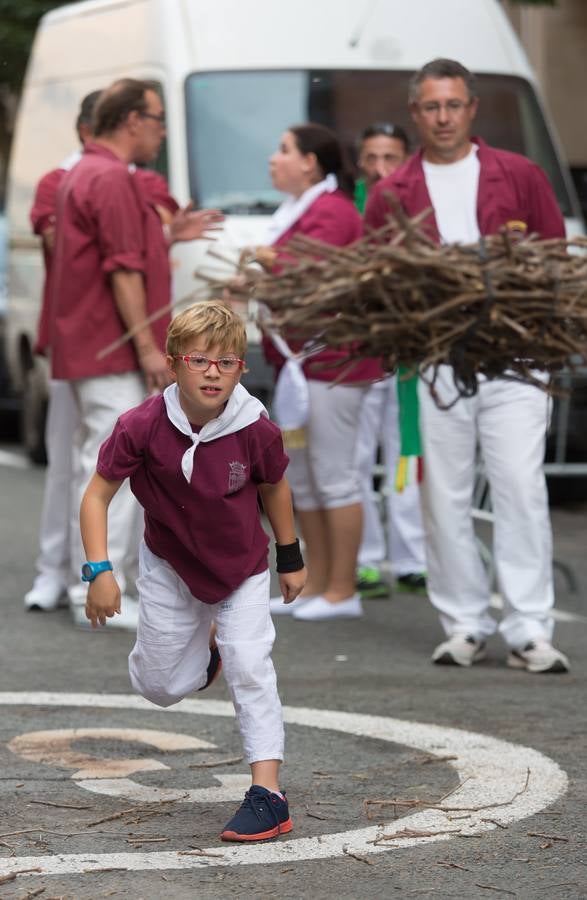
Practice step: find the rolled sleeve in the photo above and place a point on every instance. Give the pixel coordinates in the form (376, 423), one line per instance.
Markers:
(120, 215)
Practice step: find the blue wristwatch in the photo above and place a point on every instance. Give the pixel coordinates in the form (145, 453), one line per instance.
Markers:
(91, 569)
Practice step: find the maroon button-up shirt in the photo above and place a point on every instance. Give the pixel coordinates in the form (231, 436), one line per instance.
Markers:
(512, 189)
(104, 224)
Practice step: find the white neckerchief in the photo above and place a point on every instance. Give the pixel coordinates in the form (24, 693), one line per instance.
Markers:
(293, 208)
(241, 410)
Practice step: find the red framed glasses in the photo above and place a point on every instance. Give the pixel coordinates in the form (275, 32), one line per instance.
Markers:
(197, 362)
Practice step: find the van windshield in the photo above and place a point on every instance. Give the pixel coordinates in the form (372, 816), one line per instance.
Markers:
(235, 121)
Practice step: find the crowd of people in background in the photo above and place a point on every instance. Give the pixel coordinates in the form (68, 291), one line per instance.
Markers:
(107, 222)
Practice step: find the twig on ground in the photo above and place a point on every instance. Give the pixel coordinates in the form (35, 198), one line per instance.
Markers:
(4, 879)
(411, 833)
(60, 805)
(143, 811)
(314, 815)
(210, 764)
(358, 856)
(548, 837)
(494, 887)
(155, 840)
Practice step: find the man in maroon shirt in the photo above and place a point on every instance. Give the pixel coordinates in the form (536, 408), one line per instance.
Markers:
(110, 272)
(53, 563)
(476, 190)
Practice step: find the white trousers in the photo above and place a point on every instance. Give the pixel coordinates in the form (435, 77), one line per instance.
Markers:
(508, 421)
(171, 653)
(379, 426)
(100, 401)
(54, 561)
(323, 475)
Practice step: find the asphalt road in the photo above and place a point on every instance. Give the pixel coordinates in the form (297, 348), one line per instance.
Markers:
(110, 811)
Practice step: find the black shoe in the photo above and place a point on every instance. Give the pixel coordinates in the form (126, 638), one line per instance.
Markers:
(412, 583)
(214, 667)
(370, 584)
(262, 816)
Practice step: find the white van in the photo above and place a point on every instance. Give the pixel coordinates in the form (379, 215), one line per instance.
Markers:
(234, 74)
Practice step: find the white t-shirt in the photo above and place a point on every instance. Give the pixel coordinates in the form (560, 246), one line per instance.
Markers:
(453, 191)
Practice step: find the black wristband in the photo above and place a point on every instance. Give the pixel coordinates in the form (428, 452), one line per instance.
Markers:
(289, 557)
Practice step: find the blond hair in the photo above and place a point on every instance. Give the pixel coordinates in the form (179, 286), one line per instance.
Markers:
(213, 320)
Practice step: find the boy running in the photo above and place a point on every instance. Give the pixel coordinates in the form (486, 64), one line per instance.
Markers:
(198, 457)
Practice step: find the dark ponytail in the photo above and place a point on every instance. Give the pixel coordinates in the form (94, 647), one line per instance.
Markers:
(324, 144)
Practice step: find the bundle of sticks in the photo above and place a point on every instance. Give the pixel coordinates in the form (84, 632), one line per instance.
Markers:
(506, 305)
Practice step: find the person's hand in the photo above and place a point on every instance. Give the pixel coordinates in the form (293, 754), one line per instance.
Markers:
(291, 583)
(189, 224)
(153, 364)
(264, 256)
(103, 599)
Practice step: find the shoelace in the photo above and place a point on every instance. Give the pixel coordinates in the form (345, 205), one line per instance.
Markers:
(250, 803)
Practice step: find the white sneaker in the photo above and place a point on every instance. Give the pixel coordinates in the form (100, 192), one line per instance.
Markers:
(278, 608)
(459, 650)
(318, 609)
(46, 594)
(127, 619)
(538, 656)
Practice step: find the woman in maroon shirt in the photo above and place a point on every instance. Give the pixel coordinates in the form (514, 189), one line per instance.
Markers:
(309, 167)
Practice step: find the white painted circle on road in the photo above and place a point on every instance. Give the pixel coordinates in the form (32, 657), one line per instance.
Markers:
(499, 781)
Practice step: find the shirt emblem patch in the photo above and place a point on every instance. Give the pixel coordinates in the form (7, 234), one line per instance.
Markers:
(237, 476)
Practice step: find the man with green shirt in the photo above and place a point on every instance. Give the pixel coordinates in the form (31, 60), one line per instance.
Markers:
(381, 149)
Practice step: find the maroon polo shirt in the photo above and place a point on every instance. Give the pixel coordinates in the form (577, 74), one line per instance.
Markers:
(104, 224)
(332, 219)
(209, 530)
(511, 189)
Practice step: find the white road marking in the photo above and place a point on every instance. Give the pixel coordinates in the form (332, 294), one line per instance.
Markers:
(54, 748)
(231, 788)
(101, 775)
(492, 774)
(559, 615)
(14, 460)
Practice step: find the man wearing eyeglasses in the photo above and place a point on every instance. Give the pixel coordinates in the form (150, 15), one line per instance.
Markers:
(477, 190)
(110, 272)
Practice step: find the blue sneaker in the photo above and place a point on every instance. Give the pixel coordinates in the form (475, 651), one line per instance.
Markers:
(262, 816)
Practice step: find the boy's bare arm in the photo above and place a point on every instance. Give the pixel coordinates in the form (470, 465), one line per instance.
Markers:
(103, 593)
(279, 510)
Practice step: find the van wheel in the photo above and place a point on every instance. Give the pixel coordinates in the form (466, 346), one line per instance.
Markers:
(34, 415)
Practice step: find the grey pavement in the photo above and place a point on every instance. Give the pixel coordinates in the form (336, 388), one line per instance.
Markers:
(378, 666)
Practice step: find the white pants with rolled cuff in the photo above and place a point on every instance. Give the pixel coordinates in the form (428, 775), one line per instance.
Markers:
(379, 424)
(509, 421)
(171, 653)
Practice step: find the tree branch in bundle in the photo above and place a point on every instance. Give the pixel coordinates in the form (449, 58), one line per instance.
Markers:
(504, 307)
